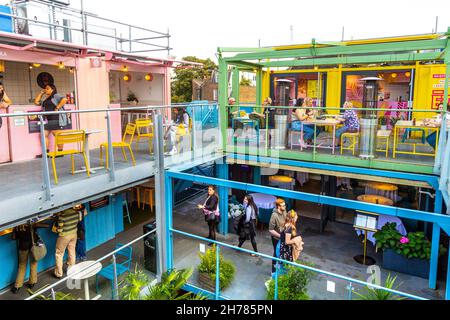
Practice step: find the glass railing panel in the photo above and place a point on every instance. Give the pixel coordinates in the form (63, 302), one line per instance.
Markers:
(364, 137)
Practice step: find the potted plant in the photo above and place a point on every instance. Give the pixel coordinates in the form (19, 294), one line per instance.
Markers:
(137, 286)
(410, 254)
(207, 270)
(292, 285)
(378, 294)
(383, 123)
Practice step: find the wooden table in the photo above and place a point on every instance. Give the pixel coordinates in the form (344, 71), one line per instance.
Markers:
(386, 190)
(372, 198)
(328, 122)
(283, 182)
(409, 125)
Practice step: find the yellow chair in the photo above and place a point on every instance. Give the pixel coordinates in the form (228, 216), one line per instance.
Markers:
(384, 134)
(66, 137)
(182, 132)
(148, 134)
(353, 137)
(127, 140)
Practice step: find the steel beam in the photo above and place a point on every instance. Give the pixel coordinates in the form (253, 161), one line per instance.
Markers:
(398, 57)
(345, 50)
(442, 220)
(433, 181)
(162, 199)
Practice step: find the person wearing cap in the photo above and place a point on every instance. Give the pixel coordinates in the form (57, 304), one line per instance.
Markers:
(66, 227)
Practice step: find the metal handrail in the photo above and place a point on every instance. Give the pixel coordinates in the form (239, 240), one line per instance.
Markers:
(91, 265)
(83, 15)
(333, 108)
(145, 108)
(327, 273)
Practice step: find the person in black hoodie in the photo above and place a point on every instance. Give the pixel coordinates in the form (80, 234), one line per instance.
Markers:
(211, 210)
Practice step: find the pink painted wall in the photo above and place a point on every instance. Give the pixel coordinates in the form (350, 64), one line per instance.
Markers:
(4, 141)
(93, 93)
(25, 145)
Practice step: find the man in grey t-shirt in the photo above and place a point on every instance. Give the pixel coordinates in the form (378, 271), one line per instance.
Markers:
(276, 224)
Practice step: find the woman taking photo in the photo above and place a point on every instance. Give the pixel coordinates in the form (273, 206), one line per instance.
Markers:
(248, 223)
(211, 211)
(52, 102)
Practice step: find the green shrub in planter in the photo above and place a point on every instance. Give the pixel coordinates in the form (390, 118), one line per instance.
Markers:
(208, 266)
(293, 285)
(170, 287)
(414, 245)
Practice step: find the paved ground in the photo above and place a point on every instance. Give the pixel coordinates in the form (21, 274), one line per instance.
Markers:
(332, 251)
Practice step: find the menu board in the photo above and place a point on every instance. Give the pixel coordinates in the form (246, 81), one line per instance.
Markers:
(99, 203)
(365, 221)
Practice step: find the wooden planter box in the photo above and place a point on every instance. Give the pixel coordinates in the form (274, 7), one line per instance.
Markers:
(206, 282)
(396, 262)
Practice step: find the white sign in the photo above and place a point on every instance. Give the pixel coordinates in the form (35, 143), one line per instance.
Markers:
(202, 248)
(331, 286)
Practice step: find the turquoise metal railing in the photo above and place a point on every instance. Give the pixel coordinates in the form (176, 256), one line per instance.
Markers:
(218, 296)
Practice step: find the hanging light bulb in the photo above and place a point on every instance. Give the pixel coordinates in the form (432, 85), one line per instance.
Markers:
(408, 74)
(125, 69)
(36, 65)
(72, 70)
(149, 77)
(61, 65)
(394, 75)
(126, 78)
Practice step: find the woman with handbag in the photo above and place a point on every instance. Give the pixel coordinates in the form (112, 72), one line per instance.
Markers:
(52, 102)
(27, 238)
(248, 223)
(211, 211)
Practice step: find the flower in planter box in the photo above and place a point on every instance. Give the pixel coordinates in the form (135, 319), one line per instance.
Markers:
(235, 210)
(404, 240)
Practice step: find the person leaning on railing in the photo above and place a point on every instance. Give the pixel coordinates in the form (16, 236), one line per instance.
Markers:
(5, 101)
(52, 102)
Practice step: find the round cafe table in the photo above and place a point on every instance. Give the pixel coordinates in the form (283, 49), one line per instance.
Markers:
(383, 189)
(264, 201)
(372, 198)
(282, 182)
(90, 269)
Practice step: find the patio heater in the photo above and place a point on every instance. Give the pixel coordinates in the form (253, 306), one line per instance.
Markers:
(368, 127)
(281, 116)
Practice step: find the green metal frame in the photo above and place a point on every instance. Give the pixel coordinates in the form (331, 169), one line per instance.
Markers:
(392, 50)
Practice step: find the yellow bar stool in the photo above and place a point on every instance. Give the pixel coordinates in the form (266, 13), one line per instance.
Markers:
(149, 195)
(353, 137)
(384, 135)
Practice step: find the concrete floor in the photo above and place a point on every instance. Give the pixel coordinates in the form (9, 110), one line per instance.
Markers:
(331, 251)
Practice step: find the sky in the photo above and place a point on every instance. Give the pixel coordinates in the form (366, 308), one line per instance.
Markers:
(199, 27)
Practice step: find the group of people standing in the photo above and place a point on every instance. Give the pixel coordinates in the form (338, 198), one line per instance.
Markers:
(69, 225)
(282, 226)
